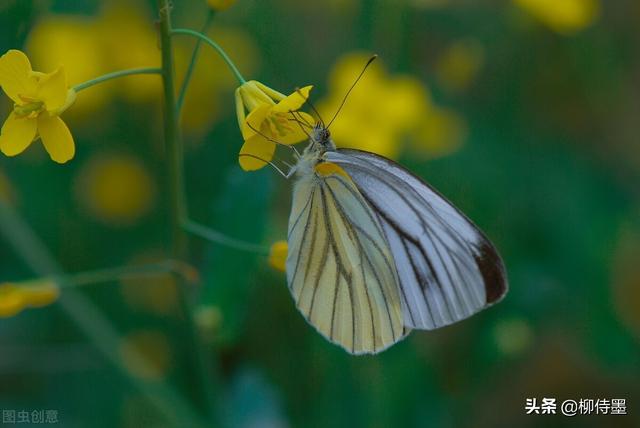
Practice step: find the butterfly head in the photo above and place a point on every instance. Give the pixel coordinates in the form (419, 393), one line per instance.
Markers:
(321, 137)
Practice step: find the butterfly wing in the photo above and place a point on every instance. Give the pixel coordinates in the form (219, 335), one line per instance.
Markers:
(447, 267)
(339, 267)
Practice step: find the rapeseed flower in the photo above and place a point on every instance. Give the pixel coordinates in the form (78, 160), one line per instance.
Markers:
(16, 296)
(38, 99)
(278, 255)
(270, 120)
(565, 16)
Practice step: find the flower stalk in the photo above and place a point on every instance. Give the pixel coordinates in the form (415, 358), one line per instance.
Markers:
(116, 74)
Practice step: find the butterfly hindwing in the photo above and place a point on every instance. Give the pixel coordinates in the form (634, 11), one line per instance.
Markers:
(447, 268)
(339, 268)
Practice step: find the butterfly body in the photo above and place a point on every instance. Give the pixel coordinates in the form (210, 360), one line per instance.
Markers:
(374, 251)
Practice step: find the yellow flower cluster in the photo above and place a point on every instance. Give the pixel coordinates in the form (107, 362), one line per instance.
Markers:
(14, 297)
(383, 111)
(38, 99)
(118, 38)
(270, 120)
(562, 16)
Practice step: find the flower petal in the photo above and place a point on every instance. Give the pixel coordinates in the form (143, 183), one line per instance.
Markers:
(17, 134)
(254, 121)
(52, 90)
(278, 255)
(294, 101)
(259, 151)
(16, 77)
(56, 137)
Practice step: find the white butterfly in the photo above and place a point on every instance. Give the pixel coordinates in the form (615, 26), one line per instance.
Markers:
(374, 251)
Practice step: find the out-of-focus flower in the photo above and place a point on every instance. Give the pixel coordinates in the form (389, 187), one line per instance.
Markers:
(382, 112)
(120, 37)
(459, 64)
(116, 189)
(39, 99)
(220, 5)
(513, 336)
(157, 294)
(212, 82)
(14, 297)
(146, 354)
(208, 319)
(565, 16)
(269, 119)
(278, 255)
(73, 41)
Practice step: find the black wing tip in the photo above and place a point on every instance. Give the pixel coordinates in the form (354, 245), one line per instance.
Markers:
(493, 273)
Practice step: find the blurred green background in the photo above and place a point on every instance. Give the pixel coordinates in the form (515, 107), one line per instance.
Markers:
(524, 113)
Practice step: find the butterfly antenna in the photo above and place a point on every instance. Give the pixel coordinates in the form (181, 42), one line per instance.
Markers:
(308, 101)
(300, 123)
(344, 100)
(272, 140)
(273, 165)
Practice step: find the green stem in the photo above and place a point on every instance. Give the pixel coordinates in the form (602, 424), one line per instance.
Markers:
(200, 372)
(115, 75)
(222, 239)
(127, 272)
(214, 45)
(194, 60)
(173, 139)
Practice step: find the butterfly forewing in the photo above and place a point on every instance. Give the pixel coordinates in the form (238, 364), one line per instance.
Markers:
(340, 268)
(447, 269)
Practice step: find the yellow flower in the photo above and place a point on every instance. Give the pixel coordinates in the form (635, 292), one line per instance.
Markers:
(383, 111)
(119, 37)
(14, 297)
(220, 5)
(118, 190)
(562, 16)
(278, 255)
(146, 354)
(39, 99)
(270, 119)
(459, 64)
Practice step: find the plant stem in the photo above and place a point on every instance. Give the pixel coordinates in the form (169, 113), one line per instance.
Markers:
(173, 146)
(222, 239)
(181, 269)
(214, 45)
(199, 371)
(194, 60)
(116, 74)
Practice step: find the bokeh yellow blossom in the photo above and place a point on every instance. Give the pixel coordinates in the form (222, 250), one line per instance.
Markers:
(121, 36)
(116, 189)
(278, 255)
(220, 5)
(383, 111)
(38, 99)
(562, 16)
(459, 64)
(157, 294)
(146, 354)
(269, 119)
(14, 297)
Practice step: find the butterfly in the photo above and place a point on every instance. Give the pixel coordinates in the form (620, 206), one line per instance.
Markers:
(374, 251)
